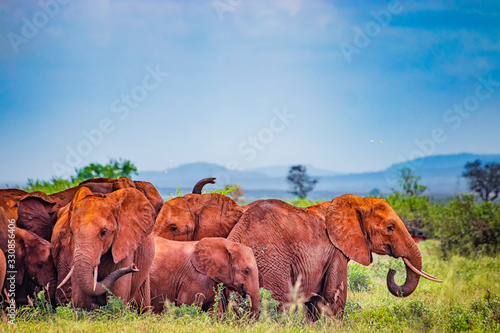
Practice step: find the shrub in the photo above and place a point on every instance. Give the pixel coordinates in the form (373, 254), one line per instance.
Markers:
(358, 278)
(467, 227)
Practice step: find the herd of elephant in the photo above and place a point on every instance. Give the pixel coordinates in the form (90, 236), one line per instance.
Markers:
(119, 236)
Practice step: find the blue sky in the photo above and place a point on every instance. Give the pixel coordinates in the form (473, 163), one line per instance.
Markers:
(245, 84)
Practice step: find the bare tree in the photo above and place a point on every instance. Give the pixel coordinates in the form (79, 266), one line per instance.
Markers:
(484, 180)
(300, 181)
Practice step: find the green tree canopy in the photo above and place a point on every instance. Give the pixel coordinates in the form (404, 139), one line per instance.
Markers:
(409, 182)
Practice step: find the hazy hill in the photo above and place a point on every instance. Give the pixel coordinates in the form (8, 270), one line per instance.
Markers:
(442, 174)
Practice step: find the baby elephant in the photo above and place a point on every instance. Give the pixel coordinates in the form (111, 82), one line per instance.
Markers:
(187, 272)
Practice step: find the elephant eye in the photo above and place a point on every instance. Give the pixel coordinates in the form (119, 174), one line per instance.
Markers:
(104, 233)
(173, 228)
(246, 271)
(40, 265)
(390, 228)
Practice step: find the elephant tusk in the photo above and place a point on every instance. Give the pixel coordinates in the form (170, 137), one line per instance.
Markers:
(95, 277)
(421, 273)
(67, 277)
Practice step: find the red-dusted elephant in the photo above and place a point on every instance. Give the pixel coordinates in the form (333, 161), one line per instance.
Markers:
(103, 237)
(196, 216)
(29, 256)
(313, 246)
(188, 272)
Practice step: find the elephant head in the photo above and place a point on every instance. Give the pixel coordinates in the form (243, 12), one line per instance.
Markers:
(9, 201)
(231, 264)
(359, 226)
(33, 263)
(196, 216)
(115, 224)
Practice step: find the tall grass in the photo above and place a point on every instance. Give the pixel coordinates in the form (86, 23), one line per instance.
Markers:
(467, 300)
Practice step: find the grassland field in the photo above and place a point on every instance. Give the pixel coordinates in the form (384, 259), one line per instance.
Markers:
(467, 300)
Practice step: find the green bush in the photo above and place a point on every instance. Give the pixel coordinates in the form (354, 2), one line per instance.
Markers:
(358, 278)
(114, 169)
(467, 227)
(462, 224)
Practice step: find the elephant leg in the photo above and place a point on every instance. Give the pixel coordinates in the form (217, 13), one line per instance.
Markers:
(142, 298)
(334, 293)
(143, 259)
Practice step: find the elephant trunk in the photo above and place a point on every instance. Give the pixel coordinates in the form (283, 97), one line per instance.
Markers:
(85, 278)
(199, 185)
(51, 290)
(412, 278)
(254, 296)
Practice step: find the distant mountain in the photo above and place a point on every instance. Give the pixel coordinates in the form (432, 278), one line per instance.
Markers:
(440, 173)
(282, 171)
(187, 175)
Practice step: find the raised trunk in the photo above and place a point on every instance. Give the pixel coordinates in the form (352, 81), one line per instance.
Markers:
(412, 278)
(199, 185)
(85, 278)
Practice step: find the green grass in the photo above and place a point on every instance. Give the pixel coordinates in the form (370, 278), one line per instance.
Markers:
(468, 300)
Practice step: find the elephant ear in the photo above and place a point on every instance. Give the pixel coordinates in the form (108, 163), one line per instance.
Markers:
(37, 213)
(151, 194)
(61, 237)
(215, 215)
(344, 226)
(213, 258)
(135, 218)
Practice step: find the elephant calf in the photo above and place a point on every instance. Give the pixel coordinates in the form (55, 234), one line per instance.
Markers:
(188, 272)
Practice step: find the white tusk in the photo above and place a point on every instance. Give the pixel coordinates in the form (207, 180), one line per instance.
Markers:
(67, 277)
(421, 273)
(95, 277)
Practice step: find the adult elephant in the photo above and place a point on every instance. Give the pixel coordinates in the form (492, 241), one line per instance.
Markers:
(196, 216)
(312, 246)
(29, 257)
(104, 237)
(38, 212)
(188, 272)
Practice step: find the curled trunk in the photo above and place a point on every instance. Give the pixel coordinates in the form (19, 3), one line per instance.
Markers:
(412, 278)
(85, 280)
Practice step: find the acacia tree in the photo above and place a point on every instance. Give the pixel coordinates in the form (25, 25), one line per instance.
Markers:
(114, 169)
(484, 180)
(300, 181)
(409, 182)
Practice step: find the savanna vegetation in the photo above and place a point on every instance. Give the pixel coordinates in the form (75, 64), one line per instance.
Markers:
(468, 300)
